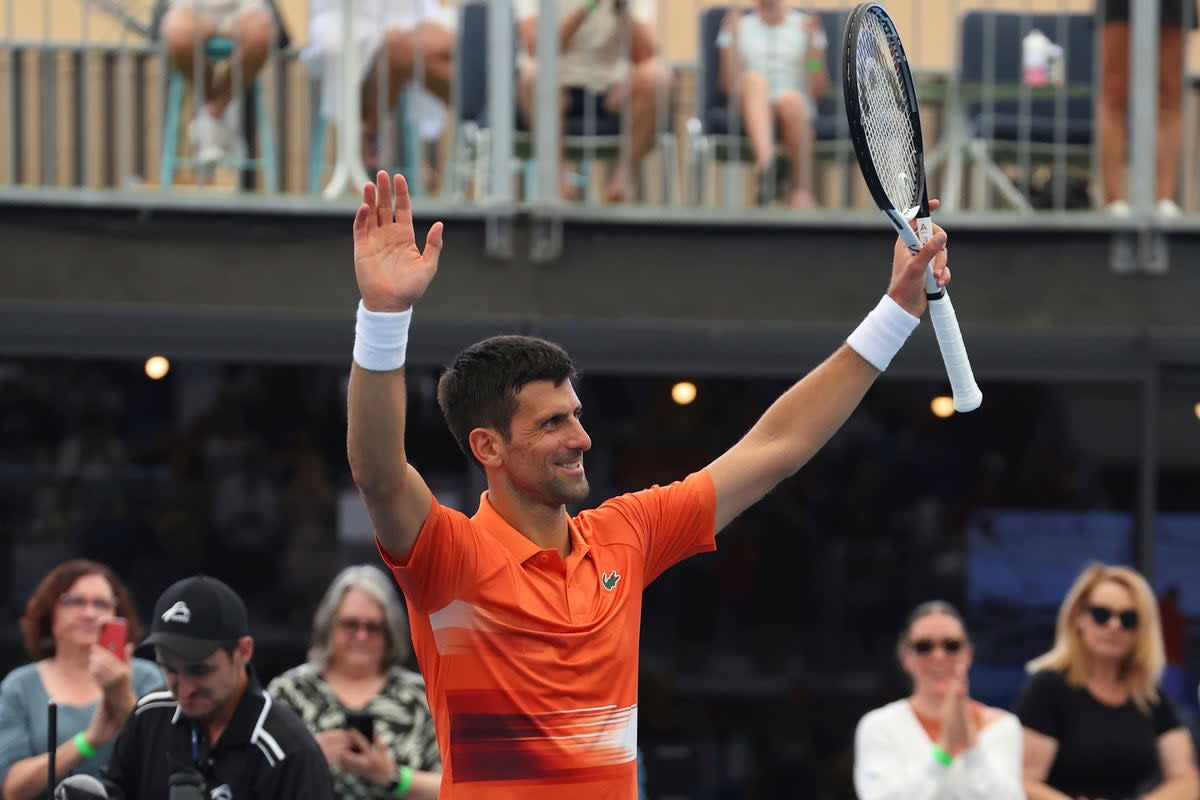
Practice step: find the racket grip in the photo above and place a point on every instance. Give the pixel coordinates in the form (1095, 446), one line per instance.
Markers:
(967, 396)
(924, 231)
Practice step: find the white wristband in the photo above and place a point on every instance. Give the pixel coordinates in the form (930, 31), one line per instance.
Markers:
(881, 335)
(381, 339)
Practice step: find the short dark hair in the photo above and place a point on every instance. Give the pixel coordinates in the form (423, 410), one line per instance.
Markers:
(37, 623)
(479, 387)
(927, 608)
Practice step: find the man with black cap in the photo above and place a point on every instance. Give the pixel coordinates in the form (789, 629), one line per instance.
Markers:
(213, 733)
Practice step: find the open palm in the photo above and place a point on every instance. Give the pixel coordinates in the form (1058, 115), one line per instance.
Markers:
(392, 273)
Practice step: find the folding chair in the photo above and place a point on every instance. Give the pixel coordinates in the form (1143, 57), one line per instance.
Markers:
(997, 116)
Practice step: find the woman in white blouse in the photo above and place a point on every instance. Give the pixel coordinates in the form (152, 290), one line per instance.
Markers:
(938, 743)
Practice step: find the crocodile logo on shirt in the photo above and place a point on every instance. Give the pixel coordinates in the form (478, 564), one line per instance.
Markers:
(609, 579)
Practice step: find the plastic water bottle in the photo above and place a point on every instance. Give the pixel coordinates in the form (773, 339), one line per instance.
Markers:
(1035, 58)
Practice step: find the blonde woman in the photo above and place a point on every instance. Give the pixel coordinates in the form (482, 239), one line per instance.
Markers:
(1096, 723)
(937, 743)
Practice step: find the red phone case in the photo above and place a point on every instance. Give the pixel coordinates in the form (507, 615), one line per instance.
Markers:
(112, 636)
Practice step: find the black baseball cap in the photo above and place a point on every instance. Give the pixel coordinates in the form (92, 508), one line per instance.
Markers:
(196, 616)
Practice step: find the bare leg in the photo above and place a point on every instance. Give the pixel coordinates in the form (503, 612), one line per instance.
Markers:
(430, 42)
(184, 34)
(1114, 101)
(796, 133)
(1170, 118)
(650, 80)
(252, 30)
(756, 118)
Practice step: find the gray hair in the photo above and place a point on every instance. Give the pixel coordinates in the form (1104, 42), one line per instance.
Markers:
(376, 585)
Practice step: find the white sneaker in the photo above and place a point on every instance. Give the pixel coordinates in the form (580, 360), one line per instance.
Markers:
(1119, 208)
(1168, 208)
(208, 136)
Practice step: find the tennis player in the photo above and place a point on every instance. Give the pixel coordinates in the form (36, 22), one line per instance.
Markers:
(525, 620)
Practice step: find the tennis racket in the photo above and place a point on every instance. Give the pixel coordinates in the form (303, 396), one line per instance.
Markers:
(885, 125)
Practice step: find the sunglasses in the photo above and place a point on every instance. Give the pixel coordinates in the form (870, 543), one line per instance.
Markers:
(924, 647)
(1102, 614)
(369, 626)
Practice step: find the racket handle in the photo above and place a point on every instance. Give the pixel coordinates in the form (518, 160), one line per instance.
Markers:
(967, 396)
(924, 231)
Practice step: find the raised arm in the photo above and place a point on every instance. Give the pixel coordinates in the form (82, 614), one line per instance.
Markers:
(799, 423)
(392, 274)
(814, 67)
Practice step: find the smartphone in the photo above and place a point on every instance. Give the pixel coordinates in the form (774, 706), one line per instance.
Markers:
(113, 632)
(363, 722)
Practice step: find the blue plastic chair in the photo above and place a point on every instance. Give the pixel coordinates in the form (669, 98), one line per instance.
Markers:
(216, 49)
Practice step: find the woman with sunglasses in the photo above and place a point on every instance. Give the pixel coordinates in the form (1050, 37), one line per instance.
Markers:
(938, 743)
(94, 689)
(354, 684)
(1097, 724)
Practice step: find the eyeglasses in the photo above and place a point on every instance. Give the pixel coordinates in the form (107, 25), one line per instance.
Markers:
(924, 647)
(352, 626)
(104, 606)
(1102, 614)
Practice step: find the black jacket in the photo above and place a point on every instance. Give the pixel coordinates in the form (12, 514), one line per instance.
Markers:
(266, 753)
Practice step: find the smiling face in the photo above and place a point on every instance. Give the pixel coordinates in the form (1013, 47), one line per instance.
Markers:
(935, 654)
(542, 459)
(79, 610)
(360, 632)
(1107, 621)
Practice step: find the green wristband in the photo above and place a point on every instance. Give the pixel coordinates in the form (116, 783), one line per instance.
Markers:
(942, 756)
(592, 5)
(83, 746)
(403, 782)
(816, 64)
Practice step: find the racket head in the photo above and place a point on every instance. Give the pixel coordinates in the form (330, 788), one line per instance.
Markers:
(882, 112)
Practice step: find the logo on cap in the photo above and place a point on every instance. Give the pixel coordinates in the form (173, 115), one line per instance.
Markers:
(177, 613)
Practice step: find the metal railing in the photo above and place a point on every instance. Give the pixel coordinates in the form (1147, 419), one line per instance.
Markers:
(1009, 87)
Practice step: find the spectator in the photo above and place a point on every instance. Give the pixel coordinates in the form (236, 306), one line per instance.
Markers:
(1173, 17)
(1097, 725)
(214, 727)
(359, 646)
(595, 67)
(93, 688)
(409, 35)
(773, 66)
(185, 26)
(937, 742)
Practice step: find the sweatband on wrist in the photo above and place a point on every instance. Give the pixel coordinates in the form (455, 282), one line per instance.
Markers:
(381, 339)
(881, 335)
(404, 782)
(942, 756)
(816, 64)
(592, 5)
(83, 746)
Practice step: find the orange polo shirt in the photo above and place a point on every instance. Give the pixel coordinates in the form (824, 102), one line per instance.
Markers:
(530, 660)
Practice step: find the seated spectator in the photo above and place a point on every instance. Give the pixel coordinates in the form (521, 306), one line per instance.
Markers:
(213, 728)
(773, 68)
(185, 26)
(594, 67)
(1097, 723)
(94, 689)
(402, 33)
(359, 643)
(937, 742)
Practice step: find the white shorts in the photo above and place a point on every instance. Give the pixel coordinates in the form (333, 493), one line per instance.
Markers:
(222, 13)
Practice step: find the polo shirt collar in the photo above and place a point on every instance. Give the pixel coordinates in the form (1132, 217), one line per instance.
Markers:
(518, 543)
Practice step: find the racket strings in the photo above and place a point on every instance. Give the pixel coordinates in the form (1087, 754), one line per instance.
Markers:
(887, 126)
